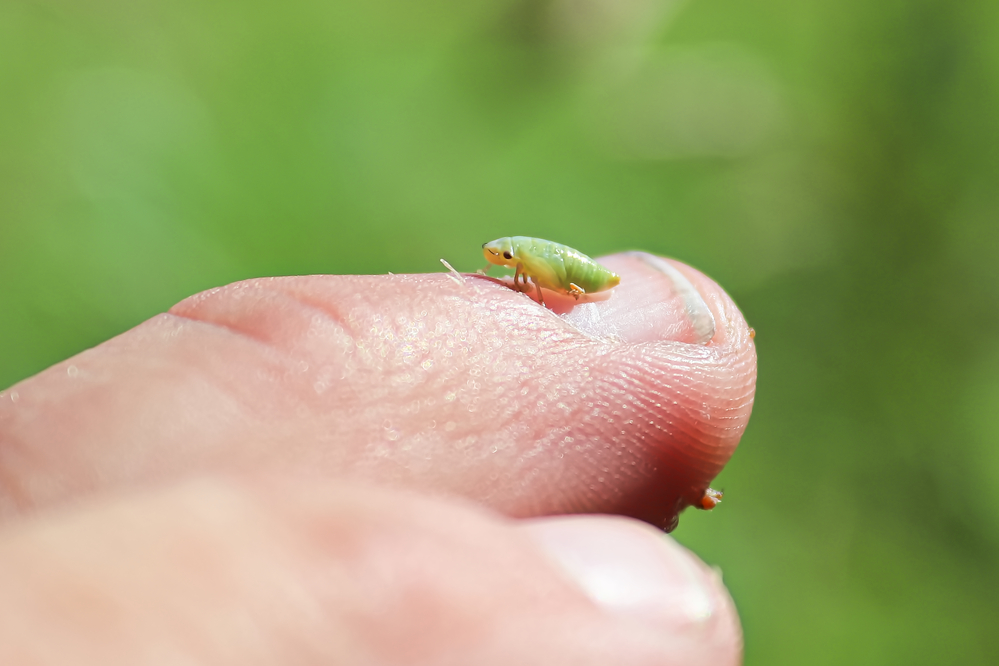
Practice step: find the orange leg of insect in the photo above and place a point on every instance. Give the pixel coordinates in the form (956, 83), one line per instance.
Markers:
(575, 291)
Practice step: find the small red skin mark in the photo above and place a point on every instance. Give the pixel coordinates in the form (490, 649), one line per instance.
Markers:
(752, 333)
(711, 499)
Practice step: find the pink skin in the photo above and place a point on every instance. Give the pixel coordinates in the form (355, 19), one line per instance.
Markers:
(464, 395)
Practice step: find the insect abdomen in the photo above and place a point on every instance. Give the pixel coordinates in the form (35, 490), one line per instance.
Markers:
(587, 274)
(557, 266)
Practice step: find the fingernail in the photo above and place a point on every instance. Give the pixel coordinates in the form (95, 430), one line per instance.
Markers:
(631, 569)
(654, 302)
(697, 310)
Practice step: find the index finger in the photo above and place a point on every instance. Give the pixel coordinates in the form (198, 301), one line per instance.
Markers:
(443, 384)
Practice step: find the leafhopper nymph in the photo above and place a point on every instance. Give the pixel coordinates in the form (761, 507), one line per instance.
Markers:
(550, 265)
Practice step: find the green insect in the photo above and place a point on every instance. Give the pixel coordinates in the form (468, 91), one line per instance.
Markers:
(550, 265)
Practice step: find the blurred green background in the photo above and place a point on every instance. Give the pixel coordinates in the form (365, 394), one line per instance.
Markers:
(832, 164)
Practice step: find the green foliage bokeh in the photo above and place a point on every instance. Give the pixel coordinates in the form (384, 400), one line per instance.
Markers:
(833, 165)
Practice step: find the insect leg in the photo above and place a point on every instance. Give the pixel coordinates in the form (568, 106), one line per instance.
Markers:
(517, 274)
(576, 291)
(541, 299)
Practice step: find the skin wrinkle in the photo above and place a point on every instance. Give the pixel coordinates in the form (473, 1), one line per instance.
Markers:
(17, 452)
(677, 392)
(674, 447)
(695, 449)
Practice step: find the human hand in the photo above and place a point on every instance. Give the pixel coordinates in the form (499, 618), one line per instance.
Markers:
(301, 470)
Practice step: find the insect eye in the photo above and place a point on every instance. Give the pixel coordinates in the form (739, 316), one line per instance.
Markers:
(507, 255)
